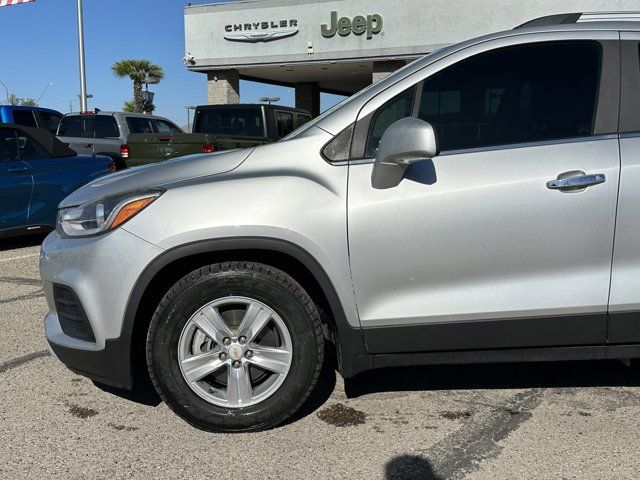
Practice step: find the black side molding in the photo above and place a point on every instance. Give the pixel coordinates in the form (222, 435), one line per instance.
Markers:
(531, 332)
(549, 354)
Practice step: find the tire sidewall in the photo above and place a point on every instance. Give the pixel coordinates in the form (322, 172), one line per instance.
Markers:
(201, 289)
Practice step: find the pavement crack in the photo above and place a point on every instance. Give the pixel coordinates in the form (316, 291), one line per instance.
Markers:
(16, 362)
(462, 451)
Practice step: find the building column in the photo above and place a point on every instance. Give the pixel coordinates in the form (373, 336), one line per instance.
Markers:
(382, 70)
(223, 86)
(308, 97)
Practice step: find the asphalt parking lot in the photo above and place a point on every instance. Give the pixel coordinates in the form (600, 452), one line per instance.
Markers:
(571, 420)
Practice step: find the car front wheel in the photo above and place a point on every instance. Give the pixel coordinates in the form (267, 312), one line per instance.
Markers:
(235, 346)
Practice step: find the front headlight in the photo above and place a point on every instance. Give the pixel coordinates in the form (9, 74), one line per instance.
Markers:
(99, 216)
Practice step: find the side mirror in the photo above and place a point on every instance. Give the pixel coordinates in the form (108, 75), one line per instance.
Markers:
(406, 141)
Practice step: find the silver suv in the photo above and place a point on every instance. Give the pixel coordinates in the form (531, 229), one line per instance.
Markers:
(479, 205)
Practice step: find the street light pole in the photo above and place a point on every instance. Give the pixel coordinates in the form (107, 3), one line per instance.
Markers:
(83, 76)
(7, 90)
(269, 99)
(43, 92)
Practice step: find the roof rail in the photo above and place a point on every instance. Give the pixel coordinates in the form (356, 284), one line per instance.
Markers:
(565, 18)
(610, 17)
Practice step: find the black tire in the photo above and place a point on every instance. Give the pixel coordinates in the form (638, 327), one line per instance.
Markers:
(266, 284)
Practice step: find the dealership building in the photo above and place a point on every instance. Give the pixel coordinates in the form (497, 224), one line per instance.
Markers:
(341, 46)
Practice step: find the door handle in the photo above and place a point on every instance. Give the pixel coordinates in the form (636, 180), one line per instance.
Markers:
(577, 183)
(18, 169)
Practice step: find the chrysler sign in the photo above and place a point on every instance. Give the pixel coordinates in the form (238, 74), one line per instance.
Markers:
(261, 31)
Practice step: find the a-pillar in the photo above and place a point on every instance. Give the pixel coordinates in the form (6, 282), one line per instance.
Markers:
(308, 97)
(223, 86)
(382, 70)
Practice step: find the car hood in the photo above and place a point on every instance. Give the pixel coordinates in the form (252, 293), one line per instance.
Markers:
(158, 175)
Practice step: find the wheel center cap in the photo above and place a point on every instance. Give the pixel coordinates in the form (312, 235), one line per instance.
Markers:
(235, 352)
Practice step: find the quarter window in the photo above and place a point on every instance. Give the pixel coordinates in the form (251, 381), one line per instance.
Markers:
(519, 94)
(392, 111)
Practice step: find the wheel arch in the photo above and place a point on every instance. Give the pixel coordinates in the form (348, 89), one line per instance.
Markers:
(173, 264)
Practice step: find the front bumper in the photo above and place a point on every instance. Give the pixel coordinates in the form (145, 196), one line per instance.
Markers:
(102, 271)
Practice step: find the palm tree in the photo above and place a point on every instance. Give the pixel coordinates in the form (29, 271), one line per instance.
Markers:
(141, 72)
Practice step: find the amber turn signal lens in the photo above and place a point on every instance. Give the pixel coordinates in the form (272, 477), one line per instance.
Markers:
(131, 209)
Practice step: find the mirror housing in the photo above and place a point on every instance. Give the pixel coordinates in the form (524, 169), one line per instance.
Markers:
(406, 141)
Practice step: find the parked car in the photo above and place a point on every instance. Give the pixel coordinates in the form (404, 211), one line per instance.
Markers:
(216, 128)
(103, 133)
(478, 205)
(36, 172)
(34, 117)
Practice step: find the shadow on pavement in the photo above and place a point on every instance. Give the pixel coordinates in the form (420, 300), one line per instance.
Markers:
(602, 373)
(322, 392)
(144, 392)
(410, 467)
(21, 242)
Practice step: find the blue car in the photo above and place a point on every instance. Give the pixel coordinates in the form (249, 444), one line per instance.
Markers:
(35, 117)
(36, 172)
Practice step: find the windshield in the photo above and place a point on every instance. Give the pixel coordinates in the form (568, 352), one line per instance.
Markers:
(230, 121)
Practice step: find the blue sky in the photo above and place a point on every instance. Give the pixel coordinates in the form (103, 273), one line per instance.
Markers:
(41, 46)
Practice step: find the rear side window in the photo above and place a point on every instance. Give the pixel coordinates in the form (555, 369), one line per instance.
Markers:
(230, 121)
(30, 149)
(514, 95)
(139, 125)
(24, 118)
(8, 146)
(163, 126)
(284, 123)
(49, 120)
(89, 126)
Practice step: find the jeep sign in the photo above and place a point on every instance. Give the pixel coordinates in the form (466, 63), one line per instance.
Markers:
(371, 25)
